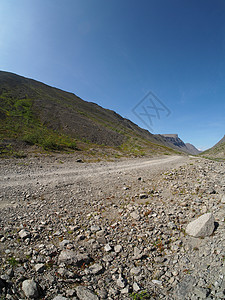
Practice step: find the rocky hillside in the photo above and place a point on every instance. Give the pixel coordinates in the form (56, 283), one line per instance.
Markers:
(37, 114)
(217, 151)
(175, 142)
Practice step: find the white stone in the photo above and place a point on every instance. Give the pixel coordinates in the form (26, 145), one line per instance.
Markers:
(108, 248)
(24, 234)
(95, 269)
(136, 287)
(223, 199)
(202, 226)
(30, 288)
(135, 215)
(118, 248)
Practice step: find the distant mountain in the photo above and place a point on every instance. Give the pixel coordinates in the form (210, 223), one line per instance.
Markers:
(36, 114)
(175, 142)
(217, 151)
(192, 149)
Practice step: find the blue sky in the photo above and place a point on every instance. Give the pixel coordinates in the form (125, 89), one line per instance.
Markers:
(114, 52)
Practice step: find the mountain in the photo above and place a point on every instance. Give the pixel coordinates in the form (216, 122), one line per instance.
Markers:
(217, 151)
(175, 142)
(33, 113)
(192, 149)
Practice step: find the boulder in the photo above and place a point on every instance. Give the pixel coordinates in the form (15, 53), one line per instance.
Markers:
(84, 293)
(202, 226)
(30, 289)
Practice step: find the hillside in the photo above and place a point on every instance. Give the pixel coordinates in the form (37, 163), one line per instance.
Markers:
(217, 151)
(175, 142)
(33, 113)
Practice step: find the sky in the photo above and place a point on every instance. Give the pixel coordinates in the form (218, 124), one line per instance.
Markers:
(159, 63)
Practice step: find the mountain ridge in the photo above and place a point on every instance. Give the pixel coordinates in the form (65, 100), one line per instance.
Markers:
(40, 111)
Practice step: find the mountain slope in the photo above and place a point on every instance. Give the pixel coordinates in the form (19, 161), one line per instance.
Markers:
(175, 142)
(217, 151)
(36, 113)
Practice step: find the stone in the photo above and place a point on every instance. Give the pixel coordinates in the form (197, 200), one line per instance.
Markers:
(95, 228)
(73, 258)
(118, 248)
(108, 248)
(121, 282)
(39, 268)
(223, 199)
(136, 287)
(135, 271)
(84, 293)
(135, 215)
(95, 269)
(202, 226)
(143, 196)
(30, 289)
(137, 253)
(59, 297)
(24, 234)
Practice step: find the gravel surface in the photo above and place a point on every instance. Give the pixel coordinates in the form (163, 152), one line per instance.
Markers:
(110, 230)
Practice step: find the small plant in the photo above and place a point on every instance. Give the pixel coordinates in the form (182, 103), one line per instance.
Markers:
(140, 295)
(12, 261)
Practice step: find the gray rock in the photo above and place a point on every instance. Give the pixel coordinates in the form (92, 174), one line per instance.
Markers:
(202, 226)
(95, 269)
(121, 282)
(84, 293)
(24, 234)
(73, 258)
(118, 248)
(108, 248)
(39, 268)
(95, 228)
(223, 199)
(59, 297)
(135, 215)
(184, 287)
(30, 289)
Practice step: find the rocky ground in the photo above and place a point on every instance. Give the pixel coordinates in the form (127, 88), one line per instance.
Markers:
(71, 230)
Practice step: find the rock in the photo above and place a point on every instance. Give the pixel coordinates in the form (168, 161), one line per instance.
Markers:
(223, 199)
(143, 196)
(201, 227)
(73, 258)
(63, 243)
(95, 228)
(24, 234)
(108, 248)
(135, 271)
(59, 297)
(95, 269)
(121, 282)
(39, 268)
(135, 215)
(30, 289)
(201, 292)
(157, 282)
(137, 253)
(118, 248)
(184, 287)
(84, 293)
(136, 287)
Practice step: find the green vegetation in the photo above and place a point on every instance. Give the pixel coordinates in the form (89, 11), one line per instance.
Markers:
(143, 295)
(12, 261)
(20, 122)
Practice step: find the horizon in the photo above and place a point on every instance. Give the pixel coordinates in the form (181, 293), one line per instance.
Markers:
(160, 65)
